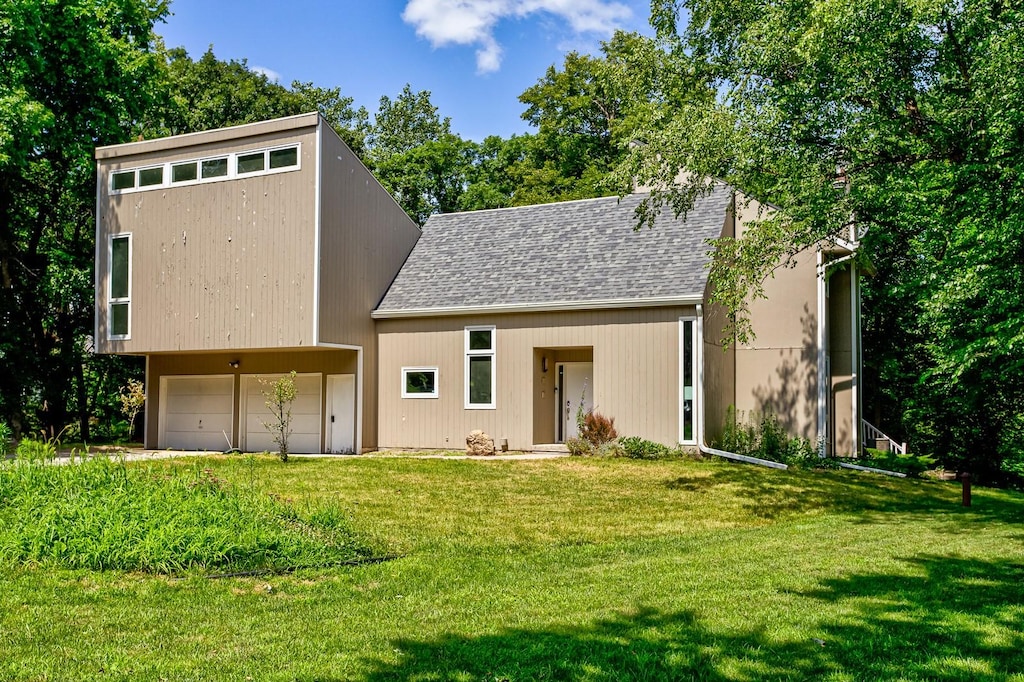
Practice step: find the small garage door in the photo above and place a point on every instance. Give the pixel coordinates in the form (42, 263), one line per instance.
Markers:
(306, 419)
(195, 412)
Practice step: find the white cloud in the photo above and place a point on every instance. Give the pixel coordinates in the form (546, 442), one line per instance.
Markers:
(472, 22)
(272, 76)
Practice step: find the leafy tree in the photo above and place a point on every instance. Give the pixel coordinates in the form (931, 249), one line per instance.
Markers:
(416, 157)
(74, 74)
(918, 107)
(209, 93)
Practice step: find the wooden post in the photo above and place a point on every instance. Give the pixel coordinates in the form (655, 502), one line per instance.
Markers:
(965, 479)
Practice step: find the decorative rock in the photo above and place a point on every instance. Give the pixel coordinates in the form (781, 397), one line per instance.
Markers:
(479, 443)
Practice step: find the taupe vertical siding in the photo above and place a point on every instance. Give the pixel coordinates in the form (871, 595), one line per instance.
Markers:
(778, 372)
(636, 375)
(364, 239)
(841, 355)
(219, 265)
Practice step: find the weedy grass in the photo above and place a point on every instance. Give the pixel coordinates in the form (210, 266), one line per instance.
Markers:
(102, 514)
(591, 569)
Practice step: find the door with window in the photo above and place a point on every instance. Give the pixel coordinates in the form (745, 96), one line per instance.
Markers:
(575, 396)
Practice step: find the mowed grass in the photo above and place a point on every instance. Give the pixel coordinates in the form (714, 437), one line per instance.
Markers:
(569, 569)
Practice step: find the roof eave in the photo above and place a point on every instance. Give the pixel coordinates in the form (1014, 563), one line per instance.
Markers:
(544, 307)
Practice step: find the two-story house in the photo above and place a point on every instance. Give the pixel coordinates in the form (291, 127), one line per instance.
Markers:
(232, 256)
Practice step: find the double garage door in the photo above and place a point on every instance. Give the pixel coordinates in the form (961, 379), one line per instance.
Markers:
(197, 413)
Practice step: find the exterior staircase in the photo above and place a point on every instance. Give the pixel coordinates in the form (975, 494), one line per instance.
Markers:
(873, 437)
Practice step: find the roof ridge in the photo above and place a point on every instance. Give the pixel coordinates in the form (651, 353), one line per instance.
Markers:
(545, 204)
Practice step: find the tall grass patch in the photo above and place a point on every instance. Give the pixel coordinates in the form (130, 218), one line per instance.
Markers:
(101, 514)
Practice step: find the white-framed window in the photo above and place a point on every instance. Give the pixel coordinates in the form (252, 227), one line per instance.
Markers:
(208, 169)
(119, 287)
(419, 382)
(481, 368)
(688, 369)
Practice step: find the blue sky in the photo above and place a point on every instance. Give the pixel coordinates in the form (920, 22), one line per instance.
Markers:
(475, 56)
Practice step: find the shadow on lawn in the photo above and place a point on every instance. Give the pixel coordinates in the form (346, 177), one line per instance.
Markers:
(944, 618)
(771, 494)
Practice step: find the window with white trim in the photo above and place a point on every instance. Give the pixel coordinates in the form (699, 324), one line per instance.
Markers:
(211, 169)
(419, 382)
(481, 369)
(687, 380)
(119, 283)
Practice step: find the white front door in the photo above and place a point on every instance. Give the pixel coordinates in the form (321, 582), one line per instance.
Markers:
(341, 413)
(575, 387)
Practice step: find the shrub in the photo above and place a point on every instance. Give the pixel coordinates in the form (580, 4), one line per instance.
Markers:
(764, 436)
(635, 447)
(909, 464)
(101, 514)
(598, 429)
(578, 447)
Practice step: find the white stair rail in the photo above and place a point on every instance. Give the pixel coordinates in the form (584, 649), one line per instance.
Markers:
(873, 433)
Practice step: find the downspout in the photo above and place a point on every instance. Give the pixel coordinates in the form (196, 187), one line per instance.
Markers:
(699, 416)
(855, 357)
(822, 355)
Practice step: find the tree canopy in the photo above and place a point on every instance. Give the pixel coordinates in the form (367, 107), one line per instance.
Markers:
(919, 108)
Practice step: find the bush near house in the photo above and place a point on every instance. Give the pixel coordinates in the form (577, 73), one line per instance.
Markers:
(762, 435)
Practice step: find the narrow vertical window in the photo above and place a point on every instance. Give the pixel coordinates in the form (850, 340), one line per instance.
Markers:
(119, 299)
(480, 368)
(687, 373)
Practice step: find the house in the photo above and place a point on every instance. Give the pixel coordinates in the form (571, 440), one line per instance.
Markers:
(508, 320)
(234, 255)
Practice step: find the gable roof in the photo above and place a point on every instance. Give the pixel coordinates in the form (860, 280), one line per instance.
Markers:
(570, 255)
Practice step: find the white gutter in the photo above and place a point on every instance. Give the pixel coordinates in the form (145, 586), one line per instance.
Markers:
(552, 306)
(699, 416)
(884, 472)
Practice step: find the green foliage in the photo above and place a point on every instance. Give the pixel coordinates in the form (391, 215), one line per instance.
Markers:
(578, 447)
(278, 397)
(5, 438)
(905, 117)
(909, 464)
(74, 74)
(104, 515)
(133, 398)
(764, 436)
(635, 447)
(209, 93)
(36, 451)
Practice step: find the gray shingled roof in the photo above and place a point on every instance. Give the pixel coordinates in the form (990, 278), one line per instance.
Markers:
(575, 251)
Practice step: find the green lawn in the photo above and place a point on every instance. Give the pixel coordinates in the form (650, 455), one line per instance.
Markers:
(569, 569)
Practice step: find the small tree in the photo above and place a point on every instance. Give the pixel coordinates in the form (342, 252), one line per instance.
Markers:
(278, 397)
(133, 397)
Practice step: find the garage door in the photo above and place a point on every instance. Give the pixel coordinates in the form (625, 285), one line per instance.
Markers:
(306, 419)
(195, 412)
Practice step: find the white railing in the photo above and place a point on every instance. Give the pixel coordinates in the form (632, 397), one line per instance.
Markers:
(873, 433)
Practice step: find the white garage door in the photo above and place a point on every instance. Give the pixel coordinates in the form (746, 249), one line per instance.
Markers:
(195, 412)
(306, 419)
